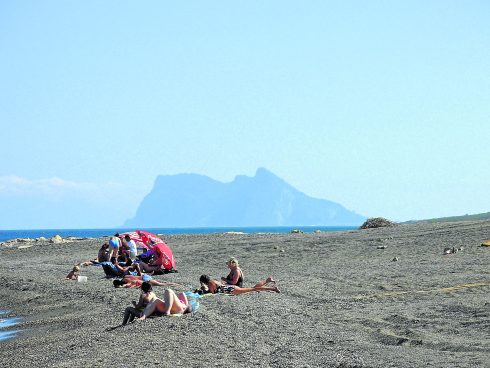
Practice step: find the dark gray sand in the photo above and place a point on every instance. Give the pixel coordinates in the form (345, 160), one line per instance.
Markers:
(344, 302)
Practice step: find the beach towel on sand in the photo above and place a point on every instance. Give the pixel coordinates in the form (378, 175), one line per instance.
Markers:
(193, 301)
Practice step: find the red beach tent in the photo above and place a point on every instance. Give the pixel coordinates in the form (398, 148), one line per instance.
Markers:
(147, 240)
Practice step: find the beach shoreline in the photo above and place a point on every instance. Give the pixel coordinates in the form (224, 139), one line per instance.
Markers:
(345, 301)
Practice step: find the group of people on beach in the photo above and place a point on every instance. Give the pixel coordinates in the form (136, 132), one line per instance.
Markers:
(120, 260)
(186, 302)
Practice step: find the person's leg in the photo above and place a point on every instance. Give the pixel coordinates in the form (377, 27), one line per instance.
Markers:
(238, 290)
(147, 267)
(157, 305)
(134, 313)
(88, 263)
(129, 314)
(137, 268)
(162, 283)
(173, 305)
(265, 282)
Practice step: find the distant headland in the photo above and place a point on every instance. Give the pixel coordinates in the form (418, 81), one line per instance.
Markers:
(192, 200)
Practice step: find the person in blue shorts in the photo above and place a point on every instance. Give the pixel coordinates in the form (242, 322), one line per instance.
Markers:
(115, 244)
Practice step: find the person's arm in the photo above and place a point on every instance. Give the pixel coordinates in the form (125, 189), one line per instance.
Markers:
(140, 301)
(121, 268)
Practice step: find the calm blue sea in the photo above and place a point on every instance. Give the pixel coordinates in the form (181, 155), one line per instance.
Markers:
(96, 233)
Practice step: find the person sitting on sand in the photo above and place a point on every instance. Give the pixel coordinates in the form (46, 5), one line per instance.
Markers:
(216, 287)
(235, 277)
(74, 273)
(151, 266)
(130, 248)
(172, 303)
(130, 281)
(102, 256)
(146, 297)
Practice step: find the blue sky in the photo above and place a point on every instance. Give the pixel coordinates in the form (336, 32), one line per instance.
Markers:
(382, 106)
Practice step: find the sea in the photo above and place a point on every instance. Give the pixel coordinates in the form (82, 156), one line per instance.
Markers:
(97, 233)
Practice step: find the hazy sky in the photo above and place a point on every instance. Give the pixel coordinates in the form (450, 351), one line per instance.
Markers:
(382, 106)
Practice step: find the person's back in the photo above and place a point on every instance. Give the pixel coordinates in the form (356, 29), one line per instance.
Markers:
(104, 253)
(115, 245)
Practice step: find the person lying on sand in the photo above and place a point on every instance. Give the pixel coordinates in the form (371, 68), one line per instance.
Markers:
(114, 269)
(102, 256)
(172, 303)
(151, 266)
(130, 281)
(235, 277)
(216, 287)
(74, 273)
(146, 297)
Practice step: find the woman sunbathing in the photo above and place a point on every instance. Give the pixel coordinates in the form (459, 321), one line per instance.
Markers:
(146, 297)
(172, 303)
(235, 277)
(216, 287)
(130, 281)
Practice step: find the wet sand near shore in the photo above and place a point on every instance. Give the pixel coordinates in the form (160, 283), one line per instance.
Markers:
(344, 302)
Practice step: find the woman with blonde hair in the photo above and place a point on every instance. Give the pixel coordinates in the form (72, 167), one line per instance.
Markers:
(235, 277)
(209, 285)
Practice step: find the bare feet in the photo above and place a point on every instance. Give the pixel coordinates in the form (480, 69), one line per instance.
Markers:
(270, 280)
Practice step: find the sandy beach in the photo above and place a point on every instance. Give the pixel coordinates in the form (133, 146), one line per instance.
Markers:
(344, 302)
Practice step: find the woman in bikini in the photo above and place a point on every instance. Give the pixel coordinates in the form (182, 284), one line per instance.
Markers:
(172, 303)
(216, 287)
(130, 281)
(235, 277)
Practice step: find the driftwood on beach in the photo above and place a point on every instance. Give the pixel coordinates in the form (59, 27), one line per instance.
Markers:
(343, 302)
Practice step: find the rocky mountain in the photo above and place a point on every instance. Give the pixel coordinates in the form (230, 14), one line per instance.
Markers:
(191, 200)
